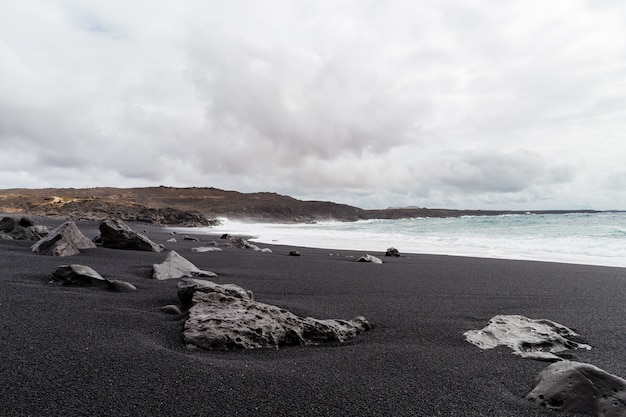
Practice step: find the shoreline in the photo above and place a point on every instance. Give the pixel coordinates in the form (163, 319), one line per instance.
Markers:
(77, 351)
(300, 235)
(551, 257)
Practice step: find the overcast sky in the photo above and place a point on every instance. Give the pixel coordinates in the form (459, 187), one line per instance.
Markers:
(457, 104)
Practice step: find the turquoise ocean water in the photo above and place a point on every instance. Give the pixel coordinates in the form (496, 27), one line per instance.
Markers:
(595, 239)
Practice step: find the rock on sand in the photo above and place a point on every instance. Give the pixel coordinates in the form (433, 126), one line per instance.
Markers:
(175, 266)
(534, 339)
(226, 316)
(576, 387)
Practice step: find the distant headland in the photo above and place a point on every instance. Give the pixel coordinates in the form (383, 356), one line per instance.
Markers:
(200, 206)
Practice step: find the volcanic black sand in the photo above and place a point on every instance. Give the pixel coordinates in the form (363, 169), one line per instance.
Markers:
(85, 351)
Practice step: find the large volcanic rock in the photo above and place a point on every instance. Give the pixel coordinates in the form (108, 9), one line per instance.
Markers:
(226, 316)
(175, 266)
(117, 235)
(65, 240)
(576, 387)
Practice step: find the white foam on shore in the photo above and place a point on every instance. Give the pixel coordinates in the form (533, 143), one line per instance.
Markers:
(578, 239)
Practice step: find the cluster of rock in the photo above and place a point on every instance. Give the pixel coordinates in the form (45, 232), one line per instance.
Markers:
(226, 316)
(22, 229)
(241, 243)
(565, 385)
(393, 252)
(68, 240)
(220, 316)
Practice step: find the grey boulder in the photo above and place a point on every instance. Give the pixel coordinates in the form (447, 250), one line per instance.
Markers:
(224, 317)
(65, 240)
(576, 387)
(7, 224)
(175, 266)
(392, 252)
(116, 234)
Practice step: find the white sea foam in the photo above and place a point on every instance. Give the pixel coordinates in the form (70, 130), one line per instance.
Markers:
(595, 239)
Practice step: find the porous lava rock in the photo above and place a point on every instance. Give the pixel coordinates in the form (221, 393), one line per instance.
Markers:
(370, 259)
(116, 234)
(224, 317)
(175, 266)
(64, 240)
(576, 387)
(534, 339)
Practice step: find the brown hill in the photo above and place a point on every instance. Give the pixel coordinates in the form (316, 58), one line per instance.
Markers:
(182, 205)
(211, 202)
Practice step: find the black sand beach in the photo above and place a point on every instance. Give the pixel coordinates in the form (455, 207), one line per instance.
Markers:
(82, 351)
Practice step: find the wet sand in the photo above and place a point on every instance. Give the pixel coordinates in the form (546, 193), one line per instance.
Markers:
(83, 351)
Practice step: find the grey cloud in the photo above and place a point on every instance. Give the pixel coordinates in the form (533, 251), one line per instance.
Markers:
(488, 171)
(307, 102)
(384, 103)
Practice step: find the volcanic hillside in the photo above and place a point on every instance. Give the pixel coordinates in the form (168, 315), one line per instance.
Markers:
(187, 205)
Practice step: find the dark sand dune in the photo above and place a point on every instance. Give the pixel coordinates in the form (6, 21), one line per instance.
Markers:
(68, 351)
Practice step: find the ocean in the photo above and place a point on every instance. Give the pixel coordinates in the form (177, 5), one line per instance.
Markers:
(586, 238)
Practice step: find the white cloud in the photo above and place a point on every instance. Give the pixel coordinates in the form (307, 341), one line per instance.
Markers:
(516, 104)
